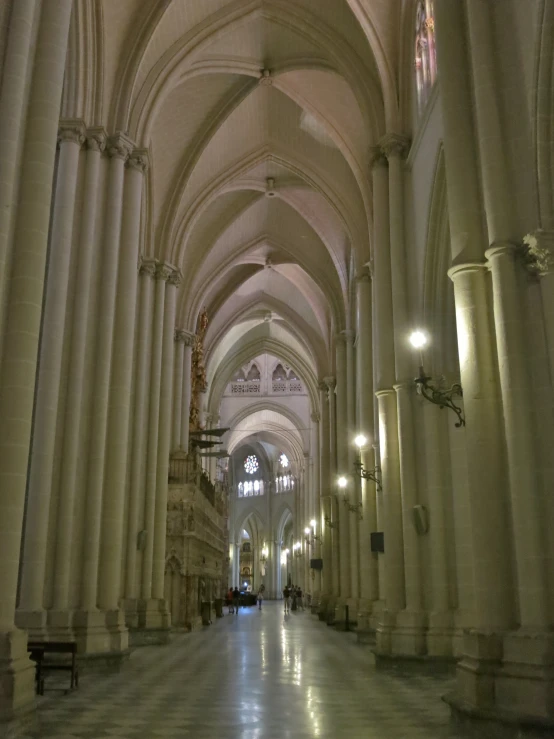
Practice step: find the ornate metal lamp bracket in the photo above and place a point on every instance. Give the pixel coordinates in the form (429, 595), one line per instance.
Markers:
(328, 522)
(442, 398)
(354, 508)
(374, 474)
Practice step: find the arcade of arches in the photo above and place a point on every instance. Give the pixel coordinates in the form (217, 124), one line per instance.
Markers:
(221, 222)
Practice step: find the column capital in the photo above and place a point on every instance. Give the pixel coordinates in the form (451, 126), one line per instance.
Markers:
(119, 146)
(377, 157)
(163, 271)
(175, 278)
(322, 386)
(316, 417)
(147, 266)
(366, 272)
(139, 160)
(459, 269)
(395, 145)
(96, 139)
(538, 252)
(72, 131)
(180, 336)
(330, 382)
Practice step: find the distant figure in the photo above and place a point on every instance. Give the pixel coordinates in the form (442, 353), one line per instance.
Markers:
(236, 599)
(229, 600)
(260, 596)
(286, 596)
(299, 597)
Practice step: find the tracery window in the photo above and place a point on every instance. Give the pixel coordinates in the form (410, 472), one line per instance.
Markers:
(251, 464)
(253, 374)
(284, 484)
(425, 52)
(284, 460)
(250, 488)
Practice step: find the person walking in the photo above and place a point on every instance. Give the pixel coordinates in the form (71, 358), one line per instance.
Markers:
(299, 597)
(229, 600)
(236, 600)
(286, 596)
(260, 596)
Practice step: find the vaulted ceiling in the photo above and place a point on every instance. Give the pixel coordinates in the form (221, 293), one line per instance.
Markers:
(259, 116)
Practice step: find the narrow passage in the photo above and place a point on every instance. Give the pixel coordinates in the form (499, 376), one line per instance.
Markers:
(255, 675)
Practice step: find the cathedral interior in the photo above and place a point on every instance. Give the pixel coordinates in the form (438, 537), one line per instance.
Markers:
(277, 308)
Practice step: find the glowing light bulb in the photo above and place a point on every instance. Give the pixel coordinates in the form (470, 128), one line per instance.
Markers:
(418, 339)
(360, 441)
(312, 523)
(307, 530)
(342, 482)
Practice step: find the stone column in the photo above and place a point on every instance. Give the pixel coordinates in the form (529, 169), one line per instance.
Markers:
(18, 58)
(71, 138)
(178, 410)
(162, 275)
(342, 467)
(23, 317)
(164, 435)
(325, 508)
(118, 436)
(73, 419)
(530, 549)
(364, 375)
(353, 489)
(316, 499)
(147, 271)
(483, 408)
(332, 470)
(395, 148)
(118, 149)
(185, 416)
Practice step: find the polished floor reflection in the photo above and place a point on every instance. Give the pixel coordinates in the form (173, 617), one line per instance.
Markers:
(258, 675)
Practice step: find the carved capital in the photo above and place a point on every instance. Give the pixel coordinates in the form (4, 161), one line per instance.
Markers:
(73, 132)
(316, 418)
(96, 139)
(377, 157)
(366, 273)
(163, 271)
(139, 160)
(265, 78)
(395, 145)
(180, 336)
(538, 252)
(189, 339)
(330, 383)
(119, 147)
(147, 267)
(175, 278)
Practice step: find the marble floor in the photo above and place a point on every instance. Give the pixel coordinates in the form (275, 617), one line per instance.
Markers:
(255, 675)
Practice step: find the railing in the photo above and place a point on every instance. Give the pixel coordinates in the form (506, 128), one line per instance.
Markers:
(288, 386)
(245, 388)
(276, 387)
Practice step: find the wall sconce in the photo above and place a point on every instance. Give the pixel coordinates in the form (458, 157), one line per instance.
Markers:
(328, 522)
(359, 469)
(313, 525)
(265, 555)
(297, 549)
(442, 398)
(307, 532)
(357, 508)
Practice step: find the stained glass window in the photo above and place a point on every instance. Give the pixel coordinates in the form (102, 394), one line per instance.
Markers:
(284, 460)
(251, 464)
(425, 53)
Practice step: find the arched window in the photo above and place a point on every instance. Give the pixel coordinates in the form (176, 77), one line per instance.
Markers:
(253, 374)
(425, 53)
(238, 376)
(279, 374)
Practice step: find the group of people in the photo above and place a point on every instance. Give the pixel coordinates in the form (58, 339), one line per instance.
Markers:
(232, 599)
(293, 598)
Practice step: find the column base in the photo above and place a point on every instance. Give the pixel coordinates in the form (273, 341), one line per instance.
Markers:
(102, 640)
(34, 623)
(153, 623)
(341, 623)
(17, 684)
(440, 635)
(507, 677)
(327, 608)
(365, 631)
(384, 627)
(408, 637)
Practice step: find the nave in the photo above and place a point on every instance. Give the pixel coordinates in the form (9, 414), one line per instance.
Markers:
(252, 676)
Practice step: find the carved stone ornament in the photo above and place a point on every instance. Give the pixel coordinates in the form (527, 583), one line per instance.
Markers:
(316, 418)
(175, 278)
(119, 147)
(163, 271)
(73, 132)
(180, 336)
(139, 160)
(330, 382)
(394, 144)
(96, 139)
(189, 339)
(537, 251)
(377, 157)
(147, 267)
(265, 78)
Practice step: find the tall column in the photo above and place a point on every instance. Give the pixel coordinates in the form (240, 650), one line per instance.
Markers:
(187, 388)
(342, 465)
(323, 529)
(147, 271)
(316, 499)
(176, 442)
(162, 275)
(164, 437)
(96, 141)
(396, 147)
(482, 404)
(23, 322)
(118, 149)
(18, 57)
(353, 491)
(334, 533)
(364, 379)
(49, 377)
(109, 588)
(530, 548)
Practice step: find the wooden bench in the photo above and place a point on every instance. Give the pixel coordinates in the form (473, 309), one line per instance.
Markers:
(38, 652)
